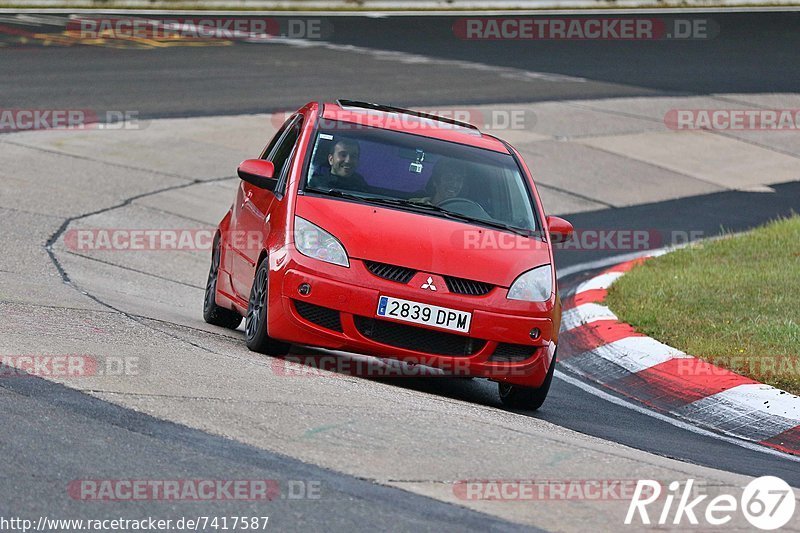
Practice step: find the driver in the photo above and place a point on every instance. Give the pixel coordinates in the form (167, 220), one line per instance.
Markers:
(343, 159)
(447, 181)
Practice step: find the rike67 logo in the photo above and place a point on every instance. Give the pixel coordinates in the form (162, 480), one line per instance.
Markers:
(767, 503)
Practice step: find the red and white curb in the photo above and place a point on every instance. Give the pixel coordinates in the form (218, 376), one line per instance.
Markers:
(596, 345)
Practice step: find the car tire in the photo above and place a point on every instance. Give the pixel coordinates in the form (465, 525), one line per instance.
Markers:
(212, 313)
(526, 398)
(255, 328)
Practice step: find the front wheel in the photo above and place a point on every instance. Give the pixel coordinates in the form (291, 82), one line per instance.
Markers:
(527, 398)
(212, 313)
(255, 328)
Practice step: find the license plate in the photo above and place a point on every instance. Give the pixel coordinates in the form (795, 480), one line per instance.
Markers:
(418, 313)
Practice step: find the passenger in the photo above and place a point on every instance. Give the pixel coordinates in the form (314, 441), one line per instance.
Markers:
(446, 182)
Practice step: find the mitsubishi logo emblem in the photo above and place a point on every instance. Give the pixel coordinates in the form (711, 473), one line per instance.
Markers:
(429, 284)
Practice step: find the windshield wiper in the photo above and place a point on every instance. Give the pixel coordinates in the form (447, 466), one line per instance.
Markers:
(397, 202)
(336, 193)
(456, 216)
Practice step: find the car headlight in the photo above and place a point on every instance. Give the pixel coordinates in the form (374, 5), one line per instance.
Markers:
(313, 241)
(533, 286)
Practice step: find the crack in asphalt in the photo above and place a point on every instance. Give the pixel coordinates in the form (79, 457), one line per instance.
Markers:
(172, 213)
(48, 246)
(654, 165)
(184, 326)
(581, 105)
(447, 401)
(60, 307)
(660, 121)
(208, 446)
(576, 195)
(215, 400)
(131, 269)
(69, 220)
(145, 321)
(24, 211)
(142, 320)
(95, 160)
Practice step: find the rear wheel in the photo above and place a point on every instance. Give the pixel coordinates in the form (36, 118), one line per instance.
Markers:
(528, 398)
(255, 327)
(212, 313)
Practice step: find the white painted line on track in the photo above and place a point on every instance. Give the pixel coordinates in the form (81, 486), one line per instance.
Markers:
(599, 263)
(603, 281)
(613, 260)
(510, 73)
(761, 397)
(585, 314)
(669, 420)
(419, 59)
(753, 394)
(637, 353)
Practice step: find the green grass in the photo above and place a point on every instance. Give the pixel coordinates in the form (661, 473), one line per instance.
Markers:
(734, 302)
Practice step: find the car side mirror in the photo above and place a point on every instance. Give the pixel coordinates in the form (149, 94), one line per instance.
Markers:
(560, 230)
(258, 172)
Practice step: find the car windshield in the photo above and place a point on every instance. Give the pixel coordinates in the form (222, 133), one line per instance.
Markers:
(422, 174)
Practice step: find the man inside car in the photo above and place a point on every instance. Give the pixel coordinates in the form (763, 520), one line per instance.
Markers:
(343, 158)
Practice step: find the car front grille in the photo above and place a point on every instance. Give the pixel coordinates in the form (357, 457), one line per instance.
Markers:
(417, 339)
(467, 286)
(403, 275)
(321, 316)
(512, 353)
(390, 272)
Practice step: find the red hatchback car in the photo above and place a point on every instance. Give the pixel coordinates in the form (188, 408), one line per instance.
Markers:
(393, 233)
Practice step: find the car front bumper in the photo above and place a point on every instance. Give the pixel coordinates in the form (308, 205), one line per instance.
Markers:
(339, 313)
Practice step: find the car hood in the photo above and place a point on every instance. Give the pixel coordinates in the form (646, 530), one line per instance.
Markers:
(425, 242)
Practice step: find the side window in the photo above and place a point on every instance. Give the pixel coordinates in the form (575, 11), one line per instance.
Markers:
(282, 152)
(283, 177)
(277, 137)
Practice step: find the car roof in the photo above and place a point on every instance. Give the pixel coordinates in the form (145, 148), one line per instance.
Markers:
(409, 121)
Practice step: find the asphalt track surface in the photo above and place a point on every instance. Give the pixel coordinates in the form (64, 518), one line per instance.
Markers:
(59, 432)
(751, 53)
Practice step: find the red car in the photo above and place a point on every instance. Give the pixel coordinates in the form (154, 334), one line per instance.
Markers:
(393, 233)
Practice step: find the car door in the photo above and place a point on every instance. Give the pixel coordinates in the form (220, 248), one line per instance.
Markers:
(254, 205)
(233, 248)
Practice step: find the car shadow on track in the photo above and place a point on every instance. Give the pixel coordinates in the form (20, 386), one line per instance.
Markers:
(419, 378)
